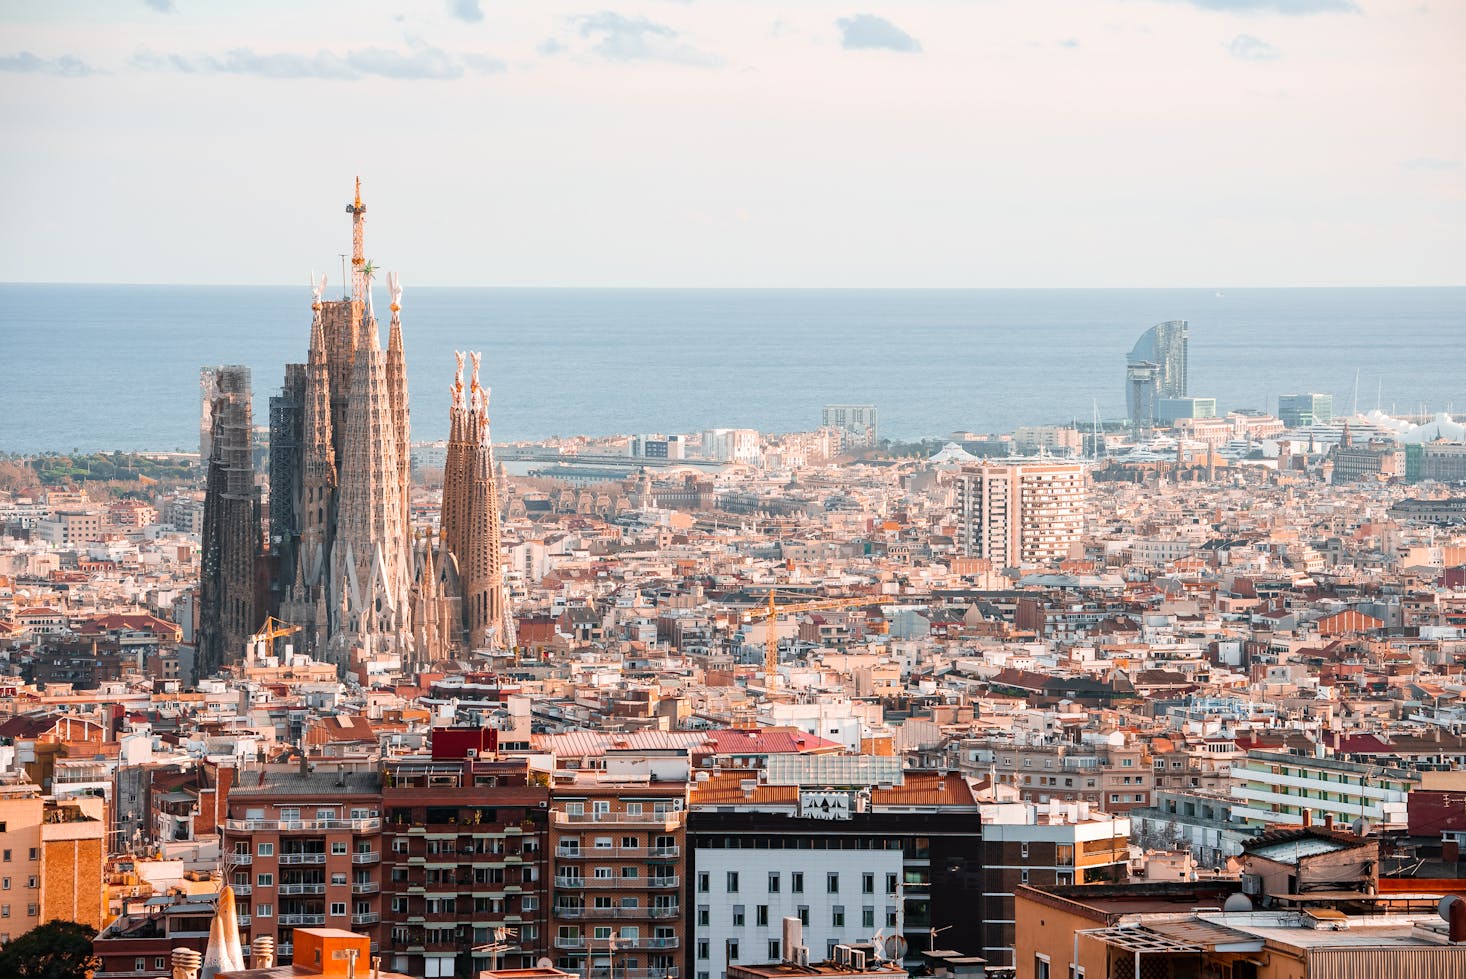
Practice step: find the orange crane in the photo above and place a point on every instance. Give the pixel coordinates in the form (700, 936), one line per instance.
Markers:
(771, 612)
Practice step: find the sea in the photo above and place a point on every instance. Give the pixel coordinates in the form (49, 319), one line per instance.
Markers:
(116, 367)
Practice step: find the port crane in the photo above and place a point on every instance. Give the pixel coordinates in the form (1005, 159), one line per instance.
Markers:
(771, 612)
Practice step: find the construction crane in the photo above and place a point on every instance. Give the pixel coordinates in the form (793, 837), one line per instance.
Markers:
(771, 612)
(272, 629)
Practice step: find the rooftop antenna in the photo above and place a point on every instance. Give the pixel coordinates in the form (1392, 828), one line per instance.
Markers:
(1354, 408)
(344, 279)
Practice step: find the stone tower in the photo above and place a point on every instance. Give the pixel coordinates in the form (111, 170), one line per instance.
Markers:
(229, 609)
(347, 560)
(471, 550)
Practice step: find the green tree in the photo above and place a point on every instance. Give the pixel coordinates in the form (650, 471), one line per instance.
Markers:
(55, 950)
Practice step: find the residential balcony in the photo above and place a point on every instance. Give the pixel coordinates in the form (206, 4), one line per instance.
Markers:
(243, 920)
(658, 820)
(366, 857)
(302, 919)
(301, 888)
(617, 852)
(240, 859)
(616, 883)
(653, 943)
(621, 914)
(366, 887)
(303, 825)
(291, 859)
(369, 918)
(572, 943)
(242, 890)
(284, 951)
(604, 972)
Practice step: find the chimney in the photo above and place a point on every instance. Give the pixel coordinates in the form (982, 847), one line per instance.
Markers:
(1307, 818)
(1456, 920)
(1450, 851)
(1328, 820)
(264, 953)
(186, 963)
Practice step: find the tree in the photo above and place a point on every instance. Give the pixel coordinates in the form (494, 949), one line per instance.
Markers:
(55, 950)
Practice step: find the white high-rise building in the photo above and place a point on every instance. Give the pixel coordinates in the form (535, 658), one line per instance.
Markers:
(1021, 513)
(857, 423)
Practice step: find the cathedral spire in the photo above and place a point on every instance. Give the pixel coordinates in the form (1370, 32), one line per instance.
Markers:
(397, 394)
(357, 210)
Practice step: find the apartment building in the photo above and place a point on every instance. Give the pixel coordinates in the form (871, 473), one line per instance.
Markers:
(1270, 789)
(51, 854)
(1057, 844)
(1020, 513)
(303, 848)
(465, 859)
(850, 845)
(1112, 776)
(618, 844)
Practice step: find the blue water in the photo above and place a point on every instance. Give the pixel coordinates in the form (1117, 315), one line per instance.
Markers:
(116, 367)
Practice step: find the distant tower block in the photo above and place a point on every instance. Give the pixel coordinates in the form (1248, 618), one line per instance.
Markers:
(855, 423)
(1155, 369)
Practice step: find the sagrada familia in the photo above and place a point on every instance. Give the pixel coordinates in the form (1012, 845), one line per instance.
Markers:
(345, 562)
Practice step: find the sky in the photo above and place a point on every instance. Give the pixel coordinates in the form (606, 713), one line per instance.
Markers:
(738, 143)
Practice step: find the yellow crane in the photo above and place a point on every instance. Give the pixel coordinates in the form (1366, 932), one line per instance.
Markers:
(272, 629)
(771, 612)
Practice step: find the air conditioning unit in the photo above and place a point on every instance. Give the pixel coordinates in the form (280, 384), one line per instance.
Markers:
(472, 754)
(857, 960)
(1251, 884)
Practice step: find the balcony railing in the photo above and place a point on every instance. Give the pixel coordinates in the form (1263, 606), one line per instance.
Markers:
(302, 919)
(287, 859)
(571, 943)
(301, 888)
(624, 914)
(616, 852)
(366, 887)
(243, 920)
(242, 890)
(617, 883)
(368, 918)
(302, 825)
(372, 857)
(240, 859)
(665, 820)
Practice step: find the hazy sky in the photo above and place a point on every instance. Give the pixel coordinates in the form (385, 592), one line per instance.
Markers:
(721, 143)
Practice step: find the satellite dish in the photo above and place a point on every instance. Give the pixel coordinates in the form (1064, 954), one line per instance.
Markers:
(1238, 902)
(1444, 908)
(895, 947)
(545, 962)
(1360, 826)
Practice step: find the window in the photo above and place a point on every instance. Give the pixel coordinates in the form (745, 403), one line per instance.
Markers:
(732, 950)
(739, 917)
(775, 953)
(1023, 875)
(399, 905)
(139, 964)
(773, 882)
(1023, 850)
(732, 882)
(265, 880)
(796, 881)
(338, 847)
(337, 879)
(890, 916)
(703, 912)
(159, 962)
(891, 880)
(837, 916)
(264, 910)
(1041, 967)
(867, 883)
(832, 883)
(4, 883)
(702, 882)
(761, 915)
(268, 849)
(35, 852)
(5, 855)
(338, 908)
(804, 915)
(868, 916)
(702, 948)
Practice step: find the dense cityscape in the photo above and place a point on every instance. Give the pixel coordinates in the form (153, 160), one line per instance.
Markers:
(1174, 695)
